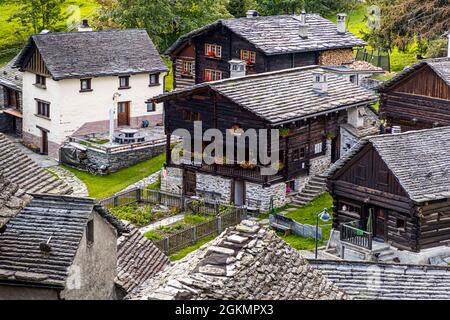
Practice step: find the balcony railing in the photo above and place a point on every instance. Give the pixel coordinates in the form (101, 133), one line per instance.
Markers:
(351, 233)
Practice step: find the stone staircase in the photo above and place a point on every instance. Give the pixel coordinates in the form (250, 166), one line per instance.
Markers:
(314, 188)
(384, 254)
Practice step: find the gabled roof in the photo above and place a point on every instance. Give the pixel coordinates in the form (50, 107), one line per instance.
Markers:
(375, 281)
(11, 77)
(59, 221)
(439, 65)
(285, 95)
(420, 160)
(280, 34)
(246, 262)
(138, 259)
(12, 200)
(94, 54)
(19, 169)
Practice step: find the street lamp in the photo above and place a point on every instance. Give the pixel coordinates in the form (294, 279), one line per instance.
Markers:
(112, 112)
(324, 216)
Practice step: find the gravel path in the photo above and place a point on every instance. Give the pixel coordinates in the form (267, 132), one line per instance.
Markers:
(78, 186)
(144, 182)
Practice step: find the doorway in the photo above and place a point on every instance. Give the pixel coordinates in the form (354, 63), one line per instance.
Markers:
(239, 192)
(44, 142)
(123, 114)
(335, 148)
(190, 182)
(380, 223)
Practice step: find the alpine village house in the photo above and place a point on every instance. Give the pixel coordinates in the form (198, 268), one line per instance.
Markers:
(307, 104)
(256, 44)
(70, 81)
(396, 187)
(10, 99)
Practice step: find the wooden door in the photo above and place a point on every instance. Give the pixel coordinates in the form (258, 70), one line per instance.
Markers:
(44, 142)
(335, 148)
(123, 114)
(380, 223)
(239, 192)
(190, 182)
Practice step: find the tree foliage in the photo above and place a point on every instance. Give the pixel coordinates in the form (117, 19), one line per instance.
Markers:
(40, 14)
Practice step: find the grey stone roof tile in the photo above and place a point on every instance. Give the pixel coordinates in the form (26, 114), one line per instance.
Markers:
(11, 77)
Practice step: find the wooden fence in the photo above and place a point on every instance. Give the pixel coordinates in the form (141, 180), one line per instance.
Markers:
(190, 236)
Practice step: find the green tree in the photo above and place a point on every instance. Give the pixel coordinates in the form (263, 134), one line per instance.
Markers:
(38, 15)
(276, 7)
(238, 8)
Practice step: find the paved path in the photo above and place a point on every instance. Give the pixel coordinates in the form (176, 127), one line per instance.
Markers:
(144, 182)
(163, 222)
(43, 161)
(78, 186)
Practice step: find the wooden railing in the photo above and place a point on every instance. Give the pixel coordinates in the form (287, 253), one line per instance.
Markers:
(353, 235)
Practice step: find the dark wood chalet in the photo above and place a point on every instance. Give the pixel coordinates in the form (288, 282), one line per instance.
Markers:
(255, 44)
(418, 97)
(306, 104)
(10, 99)
(395, 188)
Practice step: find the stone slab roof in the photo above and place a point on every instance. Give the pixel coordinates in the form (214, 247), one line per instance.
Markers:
(60, 222)
(365, 280)
(96, 53)
(11, 77)
(280, 34)
(12, 200)
(19, 169)
(439, 65)
(245, 262)
(370, 127)
(419, 160)
(138, 259)
(286, 95)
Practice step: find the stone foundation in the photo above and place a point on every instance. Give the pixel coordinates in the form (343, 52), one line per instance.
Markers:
(257, 192)
(221, 185)
(172, 180)
(301, 181)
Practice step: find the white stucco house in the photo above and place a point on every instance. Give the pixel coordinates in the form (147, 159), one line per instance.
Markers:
(70, 79)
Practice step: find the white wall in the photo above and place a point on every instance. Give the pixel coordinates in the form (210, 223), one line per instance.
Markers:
(70, 108)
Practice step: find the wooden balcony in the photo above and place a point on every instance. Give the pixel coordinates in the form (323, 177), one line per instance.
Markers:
(352, 234)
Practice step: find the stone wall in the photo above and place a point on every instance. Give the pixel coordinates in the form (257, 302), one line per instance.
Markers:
(336, 57)
(206, 182)
(257, 192)
(301, 181)
(320, 164)
(124, 159)
(172, 180)
(347, 141)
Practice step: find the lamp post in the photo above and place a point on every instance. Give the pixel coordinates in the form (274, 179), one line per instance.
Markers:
(324, 216)
(112, 112)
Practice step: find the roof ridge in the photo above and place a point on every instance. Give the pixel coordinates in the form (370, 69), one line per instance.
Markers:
(87, 32)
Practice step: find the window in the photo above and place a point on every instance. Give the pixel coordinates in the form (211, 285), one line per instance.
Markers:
(90, 232)
(154, 79)
(40, 81)
(124, 82)
(360, 172)
(296, 155)
(248, 56)
(318, 148)
(191, 115)
(187, 68)
(302, 152)
(213, 50)
(43, 109)
(382, 177)
(151, 106)
(85, 85)
(400, 223)
(396, 129)
(212, 75)
(353, 78)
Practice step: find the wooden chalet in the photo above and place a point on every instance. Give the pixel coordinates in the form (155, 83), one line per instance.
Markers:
(306, 104)
(256, 44)
(395, 188)
(10, 99)
(418, 97)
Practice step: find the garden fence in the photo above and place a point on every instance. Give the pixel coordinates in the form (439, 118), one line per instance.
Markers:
(190, 236)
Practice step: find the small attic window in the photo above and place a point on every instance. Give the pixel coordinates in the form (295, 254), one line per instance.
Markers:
(90, 232)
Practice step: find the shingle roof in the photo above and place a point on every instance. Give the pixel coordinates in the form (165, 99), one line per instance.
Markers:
(97, 53)
(18, 168)
(58, 220)
(280, 34)
(138, 259)
(11, 77)
(286, 95)
(245, 262)
(12, 200)
(439, 65)
(365, 280)
(420, 160)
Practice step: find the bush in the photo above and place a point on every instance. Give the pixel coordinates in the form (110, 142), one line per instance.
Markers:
(194, 219)
(134, 214)
(152, 235)
(437, 48)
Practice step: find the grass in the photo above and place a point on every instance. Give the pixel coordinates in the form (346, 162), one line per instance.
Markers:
(168, 80)
(307, 215)
(185, 251)
(104, 186)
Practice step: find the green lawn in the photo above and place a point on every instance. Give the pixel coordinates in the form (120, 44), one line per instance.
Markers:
(104, 186)
(307, 215)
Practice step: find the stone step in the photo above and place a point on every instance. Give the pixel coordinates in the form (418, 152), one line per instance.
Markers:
(313, 189)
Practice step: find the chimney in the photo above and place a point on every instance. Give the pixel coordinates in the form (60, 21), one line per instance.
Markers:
(252, 13)
(320, 84)
(341, 19)
(303, 16)
(355, 117)
(303, 30)
(237, 68)
(84, 26)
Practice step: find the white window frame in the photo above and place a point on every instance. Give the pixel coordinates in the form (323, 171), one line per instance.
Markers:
(214, 48)
(212, 75)
(318, 147)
